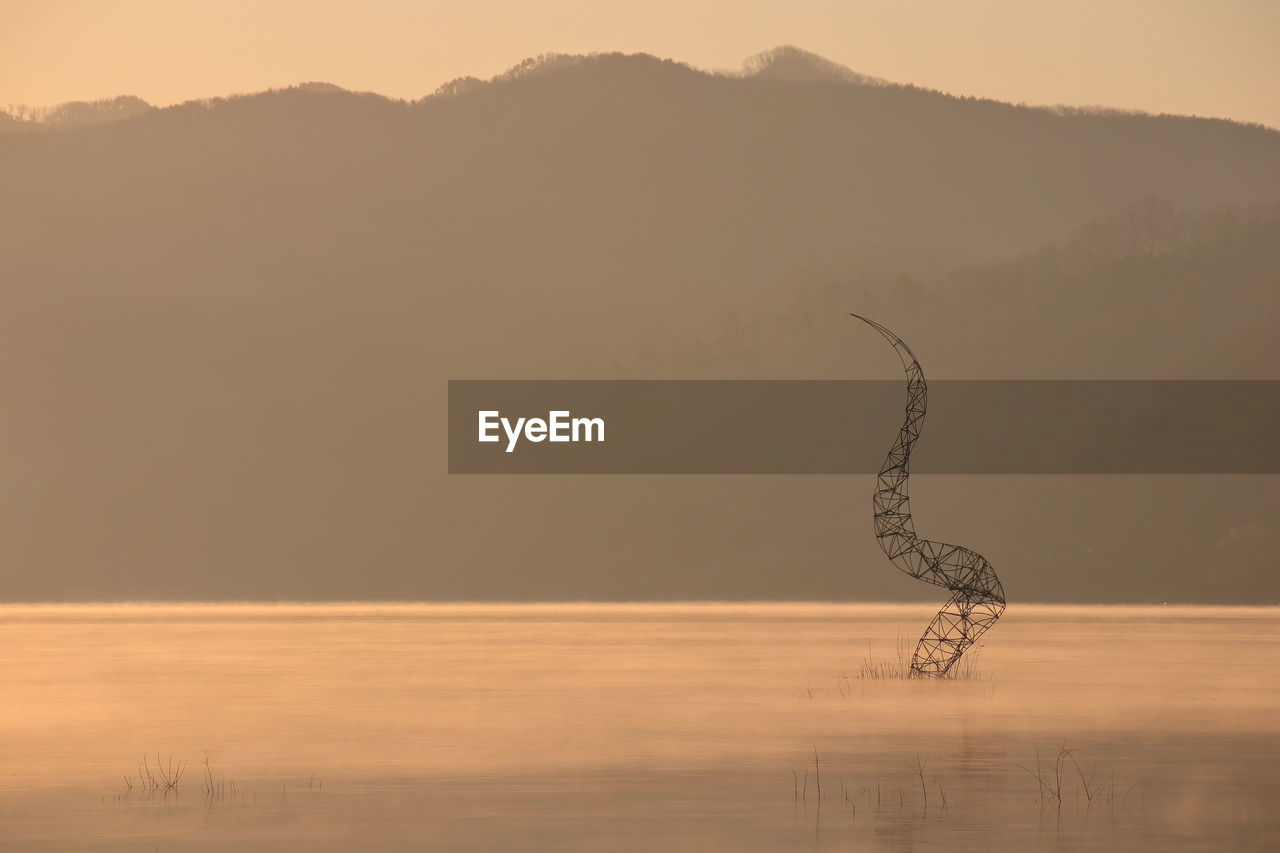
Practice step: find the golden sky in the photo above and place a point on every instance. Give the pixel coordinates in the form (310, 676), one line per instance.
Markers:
(1203, 58)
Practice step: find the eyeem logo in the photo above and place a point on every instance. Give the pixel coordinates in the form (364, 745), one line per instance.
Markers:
(558, 426)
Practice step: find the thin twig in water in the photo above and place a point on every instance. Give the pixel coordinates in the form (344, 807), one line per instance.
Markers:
(816, 772)
(918, 767)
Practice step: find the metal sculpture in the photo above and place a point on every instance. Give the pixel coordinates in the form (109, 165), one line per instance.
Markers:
(977, 598)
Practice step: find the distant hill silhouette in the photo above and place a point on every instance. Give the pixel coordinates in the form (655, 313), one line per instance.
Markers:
(793, 65)
(227, 325)
(74, 114)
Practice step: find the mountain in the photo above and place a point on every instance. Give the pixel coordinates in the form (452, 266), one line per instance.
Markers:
(1152, 292)
(75, 114)
(227, 325)
(793, 65)
(622, 178)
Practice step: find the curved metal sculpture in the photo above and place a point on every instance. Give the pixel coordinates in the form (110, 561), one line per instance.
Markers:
(977, 598)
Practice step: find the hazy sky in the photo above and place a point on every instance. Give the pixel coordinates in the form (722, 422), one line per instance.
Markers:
(1204, 58)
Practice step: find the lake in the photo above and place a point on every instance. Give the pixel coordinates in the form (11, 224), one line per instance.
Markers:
(674, 727)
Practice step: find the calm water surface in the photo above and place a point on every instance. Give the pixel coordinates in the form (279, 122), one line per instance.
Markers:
(634, 727)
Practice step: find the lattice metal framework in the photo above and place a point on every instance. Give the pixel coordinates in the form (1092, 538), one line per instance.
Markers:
(977, 598)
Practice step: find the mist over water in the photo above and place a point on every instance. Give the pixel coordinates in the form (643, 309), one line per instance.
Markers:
(633, 727)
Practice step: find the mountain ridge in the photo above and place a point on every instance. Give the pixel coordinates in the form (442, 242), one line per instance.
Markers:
(227, 328)
(782, 64)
